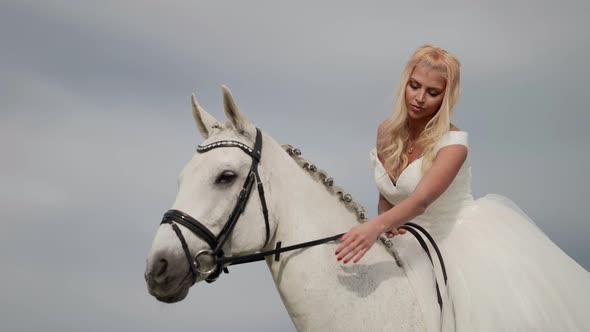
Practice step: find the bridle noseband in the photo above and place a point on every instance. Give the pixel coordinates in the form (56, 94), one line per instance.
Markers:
(216, 243)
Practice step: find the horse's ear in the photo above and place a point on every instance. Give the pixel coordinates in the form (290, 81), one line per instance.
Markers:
(233, 114)
(205, 121)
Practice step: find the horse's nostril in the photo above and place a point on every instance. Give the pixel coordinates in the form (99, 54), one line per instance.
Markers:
(161, 268)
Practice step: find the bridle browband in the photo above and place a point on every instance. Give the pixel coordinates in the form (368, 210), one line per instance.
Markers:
(174, 217)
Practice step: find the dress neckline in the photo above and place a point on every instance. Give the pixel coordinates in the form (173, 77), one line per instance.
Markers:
(402, 172)
(394, 184)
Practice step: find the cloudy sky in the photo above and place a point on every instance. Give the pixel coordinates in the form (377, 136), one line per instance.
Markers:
(95, 125)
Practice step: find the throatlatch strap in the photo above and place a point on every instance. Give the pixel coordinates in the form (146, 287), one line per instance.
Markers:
(264, 208)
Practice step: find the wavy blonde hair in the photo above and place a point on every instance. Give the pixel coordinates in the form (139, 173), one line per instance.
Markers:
(395, 128)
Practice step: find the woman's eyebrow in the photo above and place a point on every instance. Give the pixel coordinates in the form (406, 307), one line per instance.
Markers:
(428, 87)
(414, 82)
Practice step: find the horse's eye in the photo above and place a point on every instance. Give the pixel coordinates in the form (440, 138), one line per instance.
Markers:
(226, 177)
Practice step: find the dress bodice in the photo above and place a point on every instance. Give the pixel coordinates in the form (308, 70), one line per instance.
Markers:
(441, 215)
(530, 275)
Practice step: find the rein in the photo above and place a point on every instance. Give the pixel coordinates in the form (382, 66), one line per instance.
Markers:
(221, 262)
(410, 228)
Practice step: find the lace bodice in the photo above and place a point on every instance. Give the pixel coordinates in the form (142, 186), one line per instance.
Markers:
(441, 215)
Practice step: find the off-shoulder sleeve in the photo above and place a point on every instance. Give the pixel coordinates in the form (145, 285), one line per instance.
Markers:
(373, 158)
(453, 138)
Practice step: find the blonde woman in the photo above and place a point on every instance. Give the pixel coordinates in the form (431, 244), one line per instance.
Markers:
(504, 273)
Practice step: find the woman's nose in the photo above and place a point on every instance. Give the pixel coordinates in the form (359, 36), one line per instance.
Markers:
(420, 96)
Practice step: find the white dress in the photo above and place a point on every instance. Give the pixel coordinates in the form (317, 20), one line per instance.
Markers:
(504, 273)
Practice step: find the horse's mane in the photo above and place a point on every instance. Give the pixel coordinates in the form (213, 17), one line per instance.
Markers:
(328, 181)
(323, 177)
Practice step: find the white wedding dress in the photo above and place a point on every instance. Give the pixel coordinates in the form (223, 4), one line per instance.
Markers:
(504, 273)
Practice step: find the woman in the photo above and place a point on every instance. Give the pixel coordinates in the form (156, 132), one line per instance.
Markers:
(504, 273)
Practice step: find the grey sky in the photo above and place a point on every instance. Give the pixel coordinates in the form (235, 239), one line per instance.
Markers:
(95, 124)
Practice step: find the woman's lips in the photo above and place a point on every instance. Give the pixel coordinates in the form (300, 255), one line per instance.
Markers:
(415, 108)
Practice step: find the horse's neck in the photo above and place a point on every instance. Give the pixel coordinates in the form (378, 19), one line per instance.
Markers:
(318, 291)
(306, 209)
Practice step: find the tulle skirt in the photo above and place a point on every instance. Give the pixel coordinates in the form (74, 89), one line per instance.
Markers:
(504, 274)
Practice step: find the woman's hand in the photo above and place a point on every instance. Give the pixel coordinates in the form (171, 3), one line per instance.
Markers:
(358, 240)
(394, 232)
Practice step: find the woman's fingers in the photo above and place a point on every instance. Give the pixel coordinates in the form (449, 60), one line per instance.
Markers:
(357, 241)
(345, 240)
(353, 253)
(346, 247)
(360, 255)
(395, 231)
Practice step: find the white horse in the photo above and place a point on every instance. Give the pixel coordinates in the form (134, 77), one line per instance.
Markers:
(319, 293)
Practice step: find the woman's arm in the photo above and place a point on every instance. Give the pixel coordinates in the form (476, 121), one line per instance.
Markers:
(383, 205)
(445, 167)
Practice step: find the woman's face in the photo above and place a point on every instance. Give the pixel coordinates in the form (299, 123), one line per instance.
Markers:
(424, 92)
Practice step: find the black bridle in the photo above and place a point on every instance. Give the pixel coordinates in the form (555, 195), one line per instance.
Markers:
(216, 243)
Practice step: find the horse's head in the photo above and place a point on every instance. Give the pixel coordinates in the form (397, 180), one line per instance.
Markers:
(213, 191)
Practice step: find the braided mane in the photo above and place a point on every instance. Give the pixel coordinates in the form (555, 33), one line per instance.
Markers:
(328, 181)
(345, 197)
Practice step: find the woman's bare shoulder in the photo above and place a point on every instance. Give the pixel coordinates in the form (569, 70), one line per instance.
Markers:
(454, 128)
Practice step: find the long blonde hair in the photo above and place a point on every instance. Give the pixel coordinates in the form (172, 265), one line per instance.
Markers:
(393, 143)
